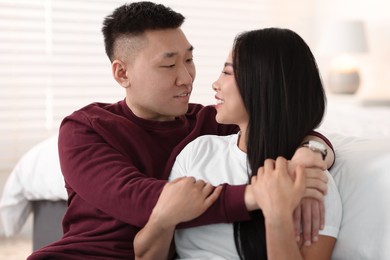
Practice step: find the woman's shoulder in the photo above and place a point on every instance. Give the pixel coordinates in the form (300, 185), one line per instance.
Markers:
(205, 145)
(212, 141)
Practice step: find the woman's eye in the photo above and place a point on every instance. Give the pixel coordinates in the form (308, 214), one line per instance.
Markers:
(226, 72)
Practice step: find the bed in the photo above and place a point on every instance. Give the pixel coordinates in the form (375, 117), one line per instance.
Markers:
(361, 171)
(35, 186)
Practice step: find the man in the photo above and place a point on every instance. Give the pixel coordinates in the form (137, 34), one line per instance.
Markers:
(116, 158)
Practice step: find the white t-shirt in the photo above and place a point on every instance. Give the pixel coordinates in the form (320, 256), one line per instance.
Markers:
(217, 160)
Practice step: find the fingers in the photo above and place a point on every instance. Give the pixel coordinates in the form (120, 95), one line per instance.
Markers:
(316, 184)
(311, 217)
(281, 164)
(315, 215)
(307, 224)
(314, 194)
(207, 191)
(297, 222)
(177, 179)
(316, 174)
(322, 214)
(269, 165)
(316, 180)
(300, 180)
(318, 163)
(213, 196)
(200, 187)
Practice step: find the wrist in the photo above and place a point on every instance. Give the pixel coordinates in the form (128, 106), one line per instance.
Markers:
(317, 147)
(160, 222)
(250, 201)
(278, 220)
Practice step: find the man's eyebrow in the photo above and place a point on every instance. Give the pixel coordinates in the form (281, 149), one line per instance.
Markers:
(172, 54)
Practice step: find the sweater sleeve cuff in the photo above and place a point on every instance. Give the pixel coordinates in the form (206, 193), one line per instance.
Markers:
(235, 208)
(326, 140)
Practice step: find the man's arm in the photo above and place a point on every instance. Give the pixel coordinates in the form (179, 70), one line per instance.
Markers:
(117, 183)
(330, 157)
(310, 215)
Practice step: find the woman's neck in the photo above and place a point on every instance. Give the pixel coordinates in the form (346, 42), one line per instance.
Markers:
(242, 143)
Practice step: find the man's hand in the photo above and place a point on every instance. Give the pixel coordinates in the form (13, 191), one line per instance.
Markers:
(305, 213)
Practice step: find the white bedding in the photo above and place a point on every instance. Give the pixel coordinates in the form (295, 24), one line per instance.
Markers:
(362, 174)
(36, 176)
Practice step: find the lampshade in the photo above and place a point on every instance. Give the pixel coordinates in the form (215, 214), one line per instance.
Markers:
(339, 37)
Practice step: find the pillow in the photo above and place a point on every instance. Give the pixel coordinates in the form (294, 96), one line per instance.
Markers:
(362, 174)
(36, 176)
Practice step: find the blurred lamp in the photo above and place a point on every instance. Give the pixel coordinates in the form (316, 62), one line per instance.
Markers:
(342, 39)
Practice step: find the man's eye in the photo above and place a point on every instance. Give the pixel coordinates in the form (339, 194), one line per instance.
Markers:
(168, 66)
(190, 60)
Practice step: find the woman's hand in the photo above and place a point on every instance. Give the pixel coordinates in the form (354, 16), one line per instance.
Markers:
(180, 200)
(276, 193)
(184, 199)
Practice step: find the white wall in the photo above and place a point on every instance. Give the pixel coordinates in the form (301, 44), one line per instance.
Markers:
(53, 60)
(212, 25)
(307, 17)
(375, 65)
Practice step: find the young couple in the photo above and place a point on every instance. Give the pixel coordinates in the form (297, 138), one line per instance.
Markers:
(116, 158)
(271, 88)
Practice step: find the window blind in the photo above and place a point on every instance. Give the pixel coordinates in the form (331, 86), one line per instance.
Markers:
(53, 60)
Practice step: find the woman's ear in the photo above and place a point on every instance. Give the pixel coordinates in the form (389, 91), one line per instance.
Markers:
(119, 71)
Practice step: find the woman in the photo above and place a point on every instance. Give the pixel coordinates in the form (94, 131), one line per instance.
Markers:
(271, 88)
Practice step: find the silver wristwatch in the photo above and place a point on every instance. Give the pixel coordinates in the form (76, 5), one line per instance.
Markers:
(316, 147)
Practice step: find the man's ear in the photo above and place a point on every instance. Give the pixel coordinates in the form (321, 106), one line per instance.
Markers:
(119, 71)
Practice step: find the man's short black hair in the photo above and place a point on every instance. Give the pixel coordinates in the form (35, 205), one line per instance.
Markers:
(136, 18)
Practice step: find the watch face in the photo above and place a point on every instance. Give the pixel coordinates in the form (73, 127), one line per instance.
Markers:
(317, 145)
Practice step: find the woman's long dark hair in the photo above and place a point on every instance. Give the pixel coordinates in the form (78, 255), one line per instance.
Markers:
(281, 87)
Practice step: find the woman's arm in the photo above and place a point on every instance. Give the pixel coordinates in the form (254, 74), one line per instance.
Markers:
(278, 195)
(309, 216)
(181, 200)
(154, 240)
